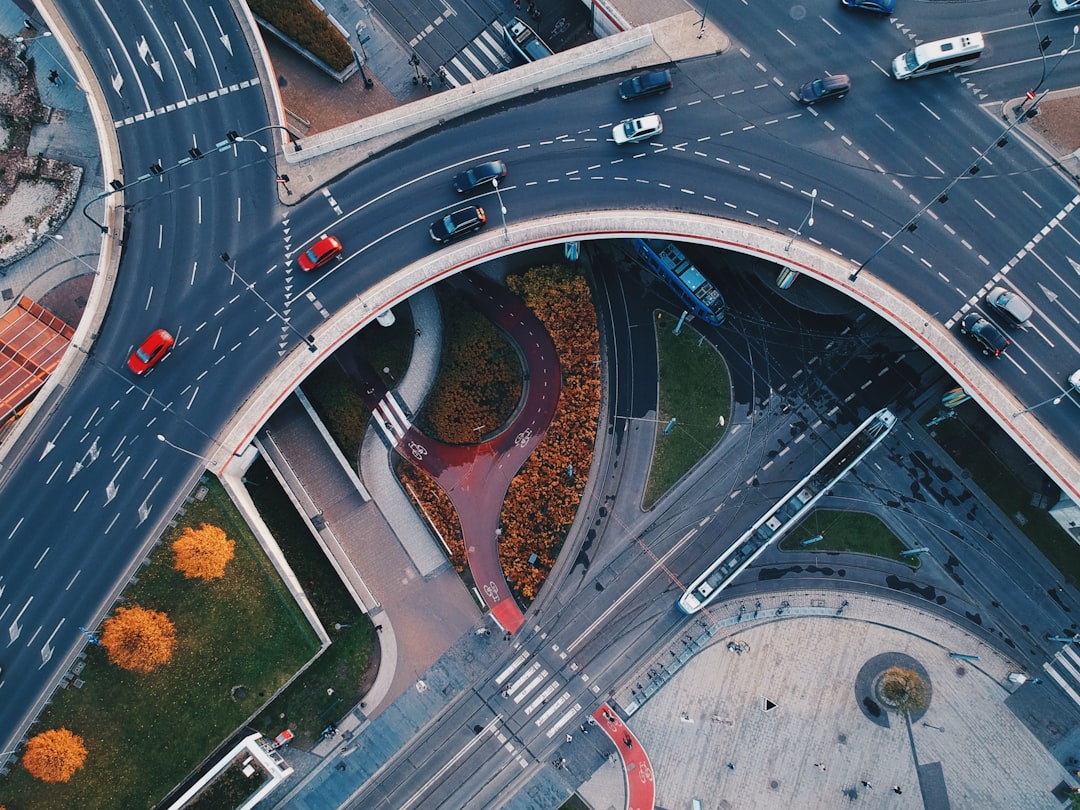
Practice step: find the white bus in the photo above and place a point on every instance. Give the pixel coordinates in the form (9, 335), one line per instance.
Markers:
(935, 57)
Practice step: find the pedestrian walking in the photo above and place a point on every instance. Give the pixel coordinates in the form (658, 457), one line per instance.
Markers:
(896, 789)
(867, 785)
(820, 766)
(731, 766)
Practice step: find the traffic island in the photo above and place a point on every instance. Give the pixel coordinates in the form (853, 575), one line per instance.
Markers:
(892, 682)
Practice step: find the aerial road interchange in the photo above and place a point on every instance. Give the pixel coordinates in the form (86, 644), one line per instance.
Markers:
(735, 148)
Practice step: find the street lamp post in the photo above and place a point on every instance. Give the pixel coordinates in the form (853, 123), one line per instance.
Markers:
(59, 239)
(27, 41)
(191, 453)
(234, 137)
(502, 209)
(942, 197)
(295, 136)
(808, 221)
(1044, 45)
(1056, 399)
(308, 339)
(704, 13)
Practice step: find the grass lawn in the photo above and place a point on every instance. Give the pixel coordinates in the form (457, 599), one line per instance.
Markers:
(856, 532)
(968, 448)
(145, 733)
(351, 662)
(695, 389)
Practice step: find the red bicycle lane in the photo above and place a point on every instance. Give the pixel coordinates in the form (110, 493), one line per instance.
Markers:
(637, 769)
(476, 477)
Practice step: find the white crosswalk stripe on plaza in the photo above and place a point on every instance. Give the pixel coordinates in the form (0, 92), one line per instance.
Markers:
(1064, 669)
(481, 57)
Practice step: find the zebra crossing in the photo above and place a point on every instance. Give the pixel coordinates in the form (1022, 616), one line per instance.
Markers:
(392, 418)
(1064, 670)
(529, 685)
(482, 57)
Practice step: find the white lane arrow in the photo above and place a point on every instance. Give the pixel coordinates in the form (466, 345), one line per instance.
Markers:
(51, 443)
(188, 52)
(117, 79)
(146, 56)
(144, 507)
(224, 37)
(1075, 265)
(111, 489)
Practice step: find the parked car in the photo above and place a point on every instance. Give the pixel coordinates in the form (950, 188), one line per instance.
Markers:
(825, 88)
(645, 84)
(1074, 380)
(1013, 309)
(991, 340)
(633, 130)
(880, 6)
(458, 223)
(479, 175)
(1066, 5)
(155, 347)
(320, 253)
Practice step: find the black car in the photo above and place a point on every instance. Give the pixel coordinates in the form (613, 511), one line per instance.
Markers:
(645, 84)
(826, 88)
(478, 175)
(990, 339)
(458, 223)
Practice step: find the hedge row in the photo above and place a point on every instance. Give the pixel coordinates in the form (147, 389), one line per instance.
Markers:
(302, 22)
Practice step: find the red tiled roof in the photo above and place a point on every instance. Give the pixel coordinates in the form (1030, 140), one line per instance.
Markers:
(32, 341)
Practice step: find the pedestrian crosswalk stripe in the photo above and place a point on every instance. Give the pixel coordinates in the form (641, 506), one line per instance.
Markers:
(512, 668)
(480, 65)
(461, 69)
(562, 721)
(1061, 682)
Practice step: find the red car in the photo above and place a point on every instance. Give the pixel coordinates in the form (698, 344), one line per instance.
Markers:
(320, 253)
(151, 351)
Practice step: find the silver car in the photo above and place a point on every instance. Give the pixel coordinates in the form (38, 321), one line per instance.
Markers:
(1013, 309)
(633, 130)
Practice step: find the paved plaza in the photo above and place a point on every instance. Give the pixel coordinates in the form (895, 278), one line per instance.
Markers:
(822, 739)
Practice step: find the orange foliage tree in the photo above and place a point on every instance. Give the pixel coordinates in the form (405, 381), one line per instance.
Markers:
(138, 639)
(480, 376)
(203, 553)
(436, 505)
(54, 755)
(542, 500)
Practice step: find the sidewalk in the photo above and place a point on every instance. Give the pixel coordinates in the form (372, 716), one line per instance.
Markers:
(60, 272)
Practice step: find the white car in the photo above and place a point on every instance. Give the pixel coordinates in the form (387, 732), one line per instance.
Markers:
(633, 130)
(1066, 5)
(1074, 380)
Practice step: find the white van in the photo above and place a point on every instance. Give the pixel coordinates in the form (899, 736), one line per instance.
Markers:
(936, 57)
